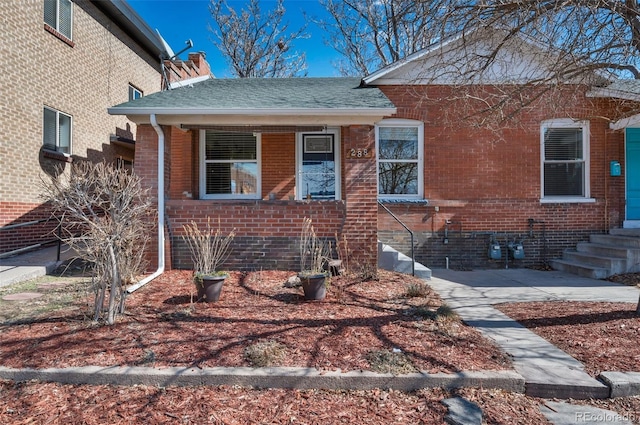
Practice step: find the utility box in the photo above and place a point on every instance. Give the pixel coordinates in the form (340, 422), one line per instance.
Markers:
(516, 250)
(615, 169)
(495, 253)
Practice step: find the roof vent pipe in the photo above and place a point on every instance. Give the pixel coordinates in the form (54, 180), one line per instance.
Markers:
(160, 270)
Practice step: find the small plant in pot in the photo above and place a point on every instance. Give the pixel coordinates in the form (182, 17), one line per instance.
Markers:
(314, 255)
(209, 249)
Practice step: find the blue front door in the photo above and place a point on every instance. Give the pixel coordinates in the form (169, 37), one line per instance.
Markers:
(633, 173)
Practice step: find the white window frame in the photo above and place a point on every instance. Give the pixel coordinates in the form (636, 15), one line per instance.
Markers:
(133, 90)
(57, 23)
(203, 173)
(400, 122)
(567, 123)
(57, 123)
(337, 146)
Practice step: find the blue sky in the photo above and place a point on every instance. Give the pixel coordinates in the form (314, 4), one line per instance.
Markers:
(180, 20)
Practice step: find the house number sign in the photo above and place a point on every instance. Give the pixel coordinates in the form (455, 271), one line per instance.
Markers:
(360, 153)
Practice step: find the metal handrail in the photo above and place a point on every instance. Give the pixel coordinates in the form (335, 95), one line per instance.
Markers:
(413, 258)
(38, 245)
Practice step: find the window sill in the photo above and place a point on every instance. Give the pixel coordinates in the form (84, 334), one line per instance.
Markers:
(416, 201)
(59, 35)
(58, 156)
(567, 200)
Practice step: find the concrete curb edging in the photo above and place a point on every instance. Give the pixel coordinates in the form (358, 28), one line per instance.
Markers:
(280, 377)
(622, 384)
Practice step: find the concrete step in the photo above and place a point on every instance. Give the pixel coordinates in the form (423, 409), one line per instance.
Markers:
(631, 242)
(390, 259)
(602, 250)
(615, 265)
(625, 232)
(580, 269)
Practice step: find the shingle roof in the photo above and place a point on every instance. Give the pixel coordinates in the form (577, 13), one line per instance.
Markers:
(263, 94)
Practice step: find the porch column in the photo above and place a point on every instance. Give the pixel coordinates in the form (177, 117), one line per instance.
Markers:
(361, 224)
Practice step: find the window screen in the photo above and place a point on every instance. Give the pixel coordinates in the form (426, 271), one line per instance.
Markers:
(231, 164)
(564, 162)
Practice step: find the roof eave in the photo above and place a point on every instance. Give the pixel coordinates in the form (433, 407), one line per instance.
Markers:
(253, 112)
(127, 18)
(616, 94)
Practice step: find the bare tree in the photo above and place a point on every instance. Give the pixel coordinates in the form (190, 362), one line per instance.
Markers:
(105, 216)
(257, 44)
(581, 44)
(371, 34)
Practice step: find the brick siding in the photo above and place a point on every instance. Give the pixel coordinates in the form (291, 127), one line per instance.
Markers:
(82, 80)
(482, 182)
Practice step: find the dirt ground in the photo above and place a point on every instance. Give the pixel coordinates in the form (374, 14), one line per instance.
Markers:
(393, 324)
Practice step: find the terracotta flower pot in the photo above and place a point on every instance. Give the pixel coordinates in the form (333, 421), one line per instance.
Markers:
(314, 286)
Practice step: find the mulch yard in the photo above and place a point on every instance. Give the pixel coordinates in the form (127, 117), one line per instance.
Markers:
(372, 325)
(358, 324)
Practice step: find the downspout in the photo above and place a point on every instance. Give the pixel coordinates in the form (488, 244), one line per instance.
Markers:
(160, 270)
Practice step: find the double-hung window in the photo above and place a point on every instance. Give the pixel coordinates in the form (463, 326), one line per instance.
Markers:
(56, 133)
(229, 165)
(565, 160)
(58, 14)
(399, 147)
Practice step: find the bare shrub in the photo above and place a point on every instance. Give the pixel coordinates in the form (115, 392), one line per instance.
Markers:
(106, 217)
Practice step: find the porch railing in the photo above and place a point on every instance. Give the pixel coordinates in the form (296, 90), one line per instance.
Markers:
(413, 258)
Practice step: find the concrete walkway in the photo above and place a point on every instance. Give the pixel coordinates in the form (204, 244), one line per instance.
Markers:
(548, 371)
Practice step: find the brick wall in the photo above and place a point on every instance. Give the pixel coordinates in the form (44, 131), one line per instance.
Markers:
(81, 80)
(482, 182)
(267, 230)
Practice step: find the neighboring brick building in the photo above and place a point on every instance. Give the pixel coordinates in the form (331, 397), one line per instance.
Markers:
(262, 154)
(65, 63)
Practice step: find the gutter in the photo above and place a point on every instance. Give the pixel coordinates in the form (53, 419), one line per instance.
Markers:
(160, 270)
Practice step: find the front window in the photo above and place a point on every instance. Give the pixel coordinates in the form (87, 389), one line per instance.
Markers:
(56, 133)
(400, 158)
(564, 153)
(318, 174)
(58, 15)
(229, 165)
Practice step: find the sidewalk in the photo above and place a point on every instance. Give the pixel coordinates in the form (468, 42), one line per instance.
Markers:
(32, 264)
(548, 371)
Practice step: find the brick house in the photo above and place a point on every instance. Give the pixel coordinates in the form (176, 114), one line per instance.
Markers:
(262, 154)
(66, 62)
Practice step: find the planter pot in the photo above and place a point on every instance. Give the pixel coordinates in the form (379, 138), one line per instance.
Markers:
(212, 287)
(200, 287)
(314, 286)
